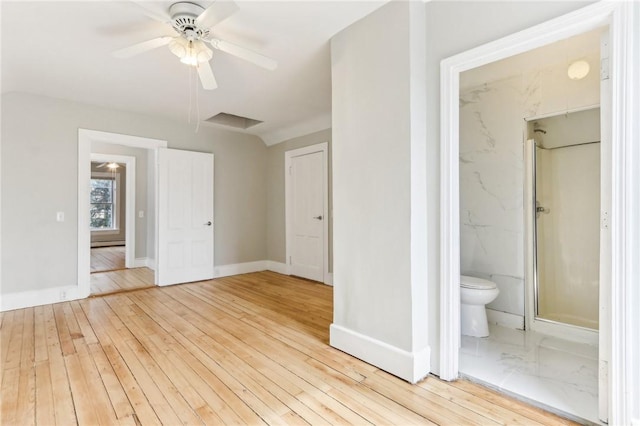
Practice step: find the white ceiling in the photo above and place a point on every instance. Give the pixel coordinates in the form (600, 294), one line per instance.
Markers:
(63, 50)
(583, 46)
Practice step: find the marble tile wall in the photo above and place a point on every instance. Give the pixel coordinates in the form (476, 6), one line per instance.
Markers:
(492, 129)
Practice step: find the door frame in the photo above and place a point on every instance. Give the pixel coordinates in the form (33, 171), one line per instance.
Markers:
(288, 157)
(129, 200)
(622, 18)
(85, 138)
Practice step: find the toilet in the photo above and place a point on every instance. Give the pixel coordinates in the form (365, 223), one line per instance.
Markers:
(474, 294)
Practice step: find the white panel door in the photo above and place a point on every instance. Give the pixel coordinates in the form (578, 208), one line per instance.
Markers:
(185, 216)
(307, 209)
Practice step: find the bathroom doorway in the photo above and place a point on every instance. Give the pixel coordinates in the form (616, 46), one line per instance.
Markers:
(497, 209)
(563, 156)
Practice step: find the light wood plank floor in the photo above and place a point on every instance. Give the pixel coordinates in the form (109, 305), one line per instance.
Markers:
(249, 349)
(107, 258)
(121, 280)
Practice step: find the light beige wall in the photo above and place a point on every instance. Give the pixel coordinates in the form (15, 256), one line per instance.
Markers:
(276, 226)
(379, 188)
(41, 253)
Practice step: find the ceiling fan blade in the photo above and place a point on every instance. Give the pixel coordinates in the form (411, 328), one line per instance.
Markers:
(207, 78)
(216, 13)
(145, 46)
(151, 12)
(243, 53)
(101, 165)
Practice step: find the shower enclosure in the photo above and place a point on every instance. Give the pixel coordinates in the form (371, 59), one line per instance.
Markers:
(563, 216)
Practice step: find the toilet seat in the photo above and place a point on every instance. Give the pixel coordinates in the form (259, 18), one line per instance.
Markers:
(476, 283)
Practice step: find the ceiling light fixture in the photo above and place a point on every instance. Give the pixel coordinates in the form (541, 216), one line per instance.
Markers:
(190, 52)
(578, 70)
(113, 166)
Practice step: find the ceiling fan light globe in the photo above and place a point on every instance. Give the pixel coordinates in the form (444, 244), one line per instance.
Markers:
(189, 60)
(179, 47)
(204, 56)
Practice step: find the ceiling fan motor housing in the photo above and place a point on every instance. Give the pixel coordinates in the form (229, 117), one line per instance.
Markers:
(183, 20)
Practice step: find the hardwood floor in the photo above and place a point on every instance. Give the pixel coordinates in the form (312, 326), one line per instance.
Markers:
(107, 258)
(249, 349)
(122, 280)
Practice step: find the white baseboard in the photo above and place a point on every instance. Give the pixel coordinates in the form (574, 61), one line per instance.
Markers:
(410, 366)
(144, 262)
(31, 298)
(279, 267)
(328, 279)
(97, 244)
(239, 268)
(505, 319)
(283, 268)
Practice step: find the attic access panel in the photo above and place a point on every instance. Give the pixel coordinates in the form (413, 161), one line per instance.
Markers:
(232, 120)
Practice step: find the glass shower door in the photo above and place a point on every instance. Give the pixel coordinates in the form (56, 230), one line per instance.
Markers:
(567, 232)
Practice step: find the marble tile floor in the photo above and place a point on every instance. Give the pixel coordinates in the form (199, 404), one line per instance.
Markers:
(555, 374)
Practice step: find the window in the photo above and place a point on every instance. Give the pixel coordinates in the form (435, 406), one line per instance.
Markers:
(103, 208)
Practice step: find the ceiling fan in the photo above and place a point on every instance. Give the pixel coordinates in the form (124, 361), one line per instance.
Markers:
(193, 24)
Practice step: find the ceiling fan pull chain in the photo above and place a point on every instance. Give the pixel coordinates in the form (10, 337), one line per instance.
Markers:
(190, 95)
(197, 106)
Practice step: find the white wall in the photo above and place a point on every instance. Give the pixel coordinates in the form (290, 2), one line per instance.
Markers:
(492, 170)
(39, 178)
(379, 190)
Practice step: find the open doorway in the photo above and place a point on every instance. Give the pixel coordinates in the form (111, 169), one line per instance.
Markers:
(116, 210)
(557, 351)
(614, 118)
(113, 201)
(111, 209)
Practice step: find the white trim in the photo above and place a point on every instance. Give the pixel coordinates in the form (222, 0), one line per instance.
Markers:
(46, 296)
(97, 244)
(85, 138)
(32, 298)
(565, 331)
(625, 210)
(144, 262)
(328, 278)
(505, 319)
(239, 268)
(279, 267)
(410, 366)
(283, 268)
(626, 200)
(288, 156)
(130, 202)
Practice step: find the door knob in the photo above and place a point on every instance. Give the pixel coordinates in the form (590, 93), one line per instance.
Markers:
(208, 223)
(318, 217)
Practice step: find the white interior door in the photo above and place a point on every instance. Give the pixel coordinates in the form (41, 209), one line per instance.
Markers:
(307, 215)
(185, 216)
